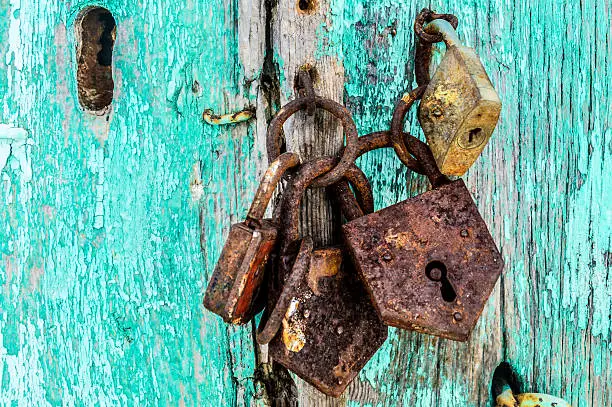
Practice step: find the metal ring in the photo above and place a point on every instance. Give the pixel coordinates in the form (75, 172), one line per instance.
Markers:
(302, 180)
(425, 16)
(411, 150)
(339, 111)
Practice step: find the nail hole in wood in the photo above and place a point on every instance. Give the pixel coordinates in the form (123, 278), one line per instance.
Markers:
(307, 6)
(95, 37)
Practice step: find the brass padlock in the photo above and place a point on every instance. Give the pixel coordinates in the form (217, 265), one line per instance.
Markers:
(321, 325)
(460, 108)
(429, 263)
(235, 283)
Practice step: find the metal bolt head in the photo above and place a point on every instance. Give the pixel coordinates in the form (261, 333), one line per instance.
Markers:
(464, 233)
(457, 316)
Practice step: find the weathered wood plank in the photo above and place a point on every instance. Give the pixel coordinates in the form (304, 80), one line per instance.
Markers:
(101, 271)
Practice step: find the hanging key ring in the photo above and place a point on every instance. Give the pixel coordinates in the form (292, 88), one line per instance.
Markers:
(339, 111)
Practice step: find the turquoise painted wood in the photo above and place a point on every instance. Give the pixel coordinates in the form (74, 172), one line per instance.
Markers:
(102, 266)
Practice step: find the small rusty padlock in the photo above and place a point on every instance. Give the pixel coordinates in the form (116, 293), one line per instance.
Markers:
(429, 263)
(460, 108)
(235, 283)
(321, 325)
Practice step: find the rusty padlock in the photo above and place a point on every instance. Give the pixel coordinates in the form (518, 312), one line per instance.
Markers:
(322, 325)
(429, 263)
(460, 108)
(235, 283)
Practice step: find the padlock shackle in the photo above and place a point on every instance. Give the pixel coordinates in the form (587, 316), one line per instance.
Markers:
(423, 52)
(444, 28)
(268, 184)
(273, 139)
(349, 206)
(308, 172)
(272, 317)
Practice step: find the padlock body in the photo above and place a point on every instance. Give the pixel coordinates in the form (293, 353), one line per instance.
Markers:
(330, 329)
(232, 292)
(399, 250)
(459, 110)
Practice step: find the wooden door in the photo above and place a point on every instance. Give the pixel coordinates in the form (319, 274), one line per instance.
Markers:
(112, 219)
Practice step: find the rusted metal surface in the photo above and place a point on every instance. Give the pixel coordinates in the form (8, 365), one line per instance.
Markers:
(273, 315)
(429, 263)
(274, 140)
(399, 142)
(460, 107)
(305, 89)
(231, 118)
(349, 206)
(235, 283)
(327, 338)
(303, 179)
(268, 184)
(327, 327)
(232, 292)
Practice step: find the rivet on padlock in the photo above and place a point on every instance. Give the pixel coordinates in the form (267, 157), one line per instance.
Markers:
(429, 263)
(234, 286)
(322, 325)
(460, 108)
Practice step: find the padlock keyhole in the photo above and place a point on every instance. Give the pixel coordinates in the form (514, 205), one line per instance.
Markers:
(436, 271)
(474, 134)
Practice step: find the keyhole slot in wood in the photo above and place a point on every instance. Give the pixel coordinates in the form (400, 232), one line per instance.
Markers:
(95, 31)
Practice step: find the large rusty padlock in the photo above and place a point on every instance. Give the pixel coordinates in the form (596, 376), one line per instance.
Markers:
(429, 263)
(321, 325)
(234, 286)
(460, 108)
